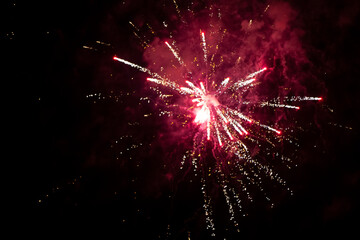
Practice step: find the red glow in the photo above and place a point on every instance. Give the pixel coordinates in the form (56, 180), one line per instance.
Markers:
(166, 42)
(114, 57)
(265, 68)
(297, 108)
(320, 99)
(278, 132)
(169, 176)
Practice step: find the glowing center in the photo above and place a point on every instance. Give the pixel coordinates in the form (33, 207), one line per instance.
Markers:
(203, 114)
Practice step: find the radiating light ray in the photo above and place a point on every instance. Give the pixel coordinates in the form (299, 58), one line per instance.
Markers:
(176, 55)
(248, 80)
(187, 90)
(298, 98)
(279, 105)
(241, 83)
(191, 85)
(238, 114)
(218, 134)
(270, 128)
(223, 85)
(140, 68)
(236, 128)
(241, 127)
(155, 80)
(202, 88)
(256, 73)
(168, 84)
(227, 131)
(204, 46)
(208, 130)
(225, 82)
(218, 111)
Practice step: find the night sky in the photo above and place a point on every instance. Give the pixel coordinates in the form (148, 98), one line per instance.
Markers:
(86, 160)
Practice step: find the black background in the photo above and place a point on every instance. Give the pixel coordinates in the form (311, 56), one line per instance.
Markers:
(66, 173)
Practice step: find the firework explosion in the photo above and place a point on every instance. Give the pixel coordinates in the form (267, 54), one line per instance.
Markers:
(231, 143)
(96, 148)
